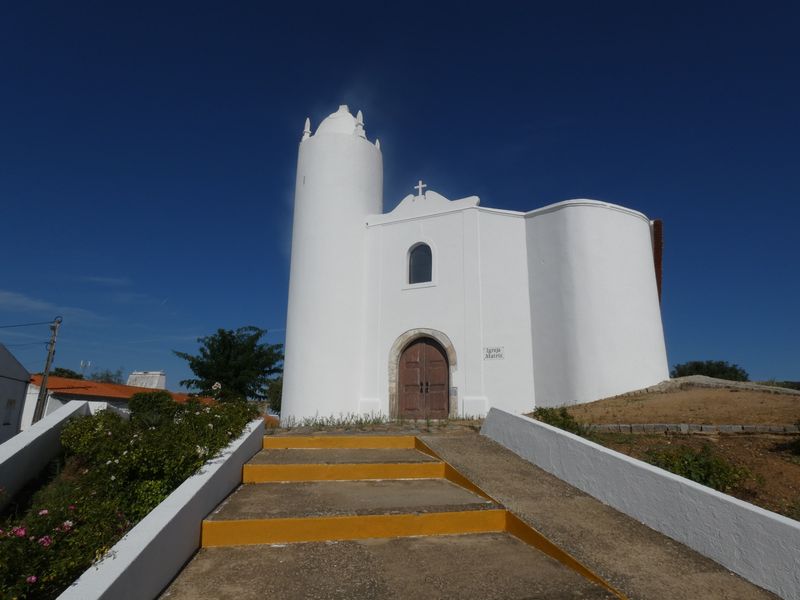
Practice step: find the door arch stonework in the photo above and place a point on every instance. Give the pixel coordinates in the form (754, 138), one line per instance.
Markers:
(400, 344)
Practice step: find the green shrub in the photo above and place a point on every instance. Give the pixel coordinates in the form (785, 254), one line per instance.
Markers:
(116, 472)
(274, 393)
(712, 368)
(560, 417)
(152, 408)
(703, 466)
(793, 510)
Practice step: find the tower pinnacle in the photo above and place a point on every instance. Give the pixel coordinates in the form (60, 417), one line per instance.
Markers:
(360, 125)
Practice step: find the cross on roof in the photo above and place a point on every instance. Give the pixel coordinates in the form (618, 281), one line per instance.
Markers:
(419, 187)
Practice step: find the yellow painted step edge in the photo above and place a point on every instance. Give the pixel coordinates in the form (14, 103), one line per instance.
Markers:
(319, 529)
(511, 523)
(264, 473)
(518, 528)
(338, 441)
(451, 473)
(524, 532)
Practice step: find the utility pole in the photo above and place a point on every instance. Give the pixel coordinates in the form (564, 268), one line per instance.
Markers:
(51, 351)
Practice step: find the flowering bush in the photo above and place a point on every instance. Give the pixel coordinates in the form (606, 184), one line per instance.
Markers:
(116, 472)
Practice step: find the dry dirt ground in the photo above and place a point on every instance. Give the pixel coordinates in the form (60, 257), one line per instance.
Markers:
(700, 405)
(774, 470)
(773, 481)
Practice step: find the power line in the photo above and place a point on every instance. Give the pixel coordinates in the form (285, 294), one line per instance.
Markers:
(25, 324)
(43, 343)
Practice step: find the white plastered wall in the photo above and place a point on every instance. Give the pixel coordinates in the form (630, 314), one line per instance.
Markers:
(759, 545)
(339, 183)
(595, 314)
(478, 297)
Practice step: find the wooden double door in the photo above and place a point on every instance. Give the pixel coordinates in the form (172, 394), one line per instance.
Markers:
(424, 381)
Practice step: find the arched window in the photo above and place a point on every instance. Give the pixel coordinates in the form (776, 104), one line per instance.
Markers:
(420, 264)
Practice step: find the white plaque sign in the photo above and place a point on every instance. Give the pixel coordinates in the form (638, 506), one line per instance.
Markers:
(493, 353)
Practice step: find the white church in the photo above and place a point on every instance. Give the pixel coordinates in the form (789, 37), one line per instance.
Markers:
(442, 308)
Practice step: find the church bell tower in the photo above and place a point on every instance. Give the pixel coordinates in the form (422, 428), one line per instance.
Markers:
(339, 184)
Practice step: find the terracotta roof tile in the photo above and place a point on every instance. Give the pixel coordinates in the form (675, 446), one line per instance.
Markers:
(64, 386)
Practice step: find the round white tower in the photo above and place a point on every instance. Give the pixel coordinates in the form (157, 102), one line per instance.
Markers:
(339, 183)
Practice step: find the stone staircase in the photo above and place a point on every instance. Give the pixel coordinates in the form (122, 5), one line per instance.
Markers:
(307, 489)
(375, 489)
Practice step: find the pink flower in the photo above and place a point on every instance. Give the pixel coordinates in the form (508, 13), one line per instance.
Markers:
(67, 525)
(71, 507)
(44, 511)
(31, 579)
(46, 541)
(19, 531)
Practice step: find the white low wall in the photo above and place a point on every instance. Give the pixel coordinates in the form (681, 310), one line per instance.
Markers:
(23, 456)
(761, 546)
(151, 554)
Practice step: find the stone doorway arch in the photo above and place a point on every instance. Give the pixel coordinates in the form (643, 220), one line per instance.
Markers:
(394, 364)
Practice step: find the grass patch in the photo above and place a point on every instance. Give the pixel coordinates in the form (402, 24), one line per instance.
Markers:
(703, 466)
(369, 422)
(793, 510)
(561, 418)
(347, 421)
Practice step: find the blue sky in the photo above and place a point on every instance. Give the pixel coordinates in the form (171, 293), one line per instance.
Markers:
(147, 154)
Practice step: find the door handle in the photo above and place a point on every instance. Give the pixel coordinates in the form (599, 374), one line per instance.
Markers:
(427, 386)
(420, 386)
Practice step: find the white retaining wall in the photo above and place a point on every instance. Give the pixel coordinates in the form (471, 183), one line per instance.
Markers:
(761, 546)
(23, 456)
(151, 554)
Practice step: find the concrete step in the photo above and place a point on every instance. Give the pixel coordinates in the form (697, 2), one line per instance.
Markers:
(339, 441)
(341, 464)
(271, 513)
(341, 456)
(468, 567)
(340, 489)
(343, 472)
(328, 529)
(336, 498)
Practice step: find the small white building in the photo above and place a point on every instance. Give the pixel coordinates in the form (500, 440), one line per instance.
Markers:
(156, 380)
(442, 307)
(13, 383)
(98, 394)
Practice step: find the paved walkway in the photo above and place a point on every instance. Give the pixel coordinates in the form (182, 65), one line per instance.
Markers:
(639, 562)
(481, 561)
(476, 566)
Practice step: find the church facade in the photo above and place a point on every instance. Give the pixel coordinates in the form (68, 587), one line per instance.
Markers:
(442, 308)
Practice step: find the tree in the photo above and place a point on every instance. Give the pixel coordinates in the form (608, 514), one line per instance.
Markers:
(720, 369)
(107, 376)
(274, 393)
(238, 361)
(68, 373)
